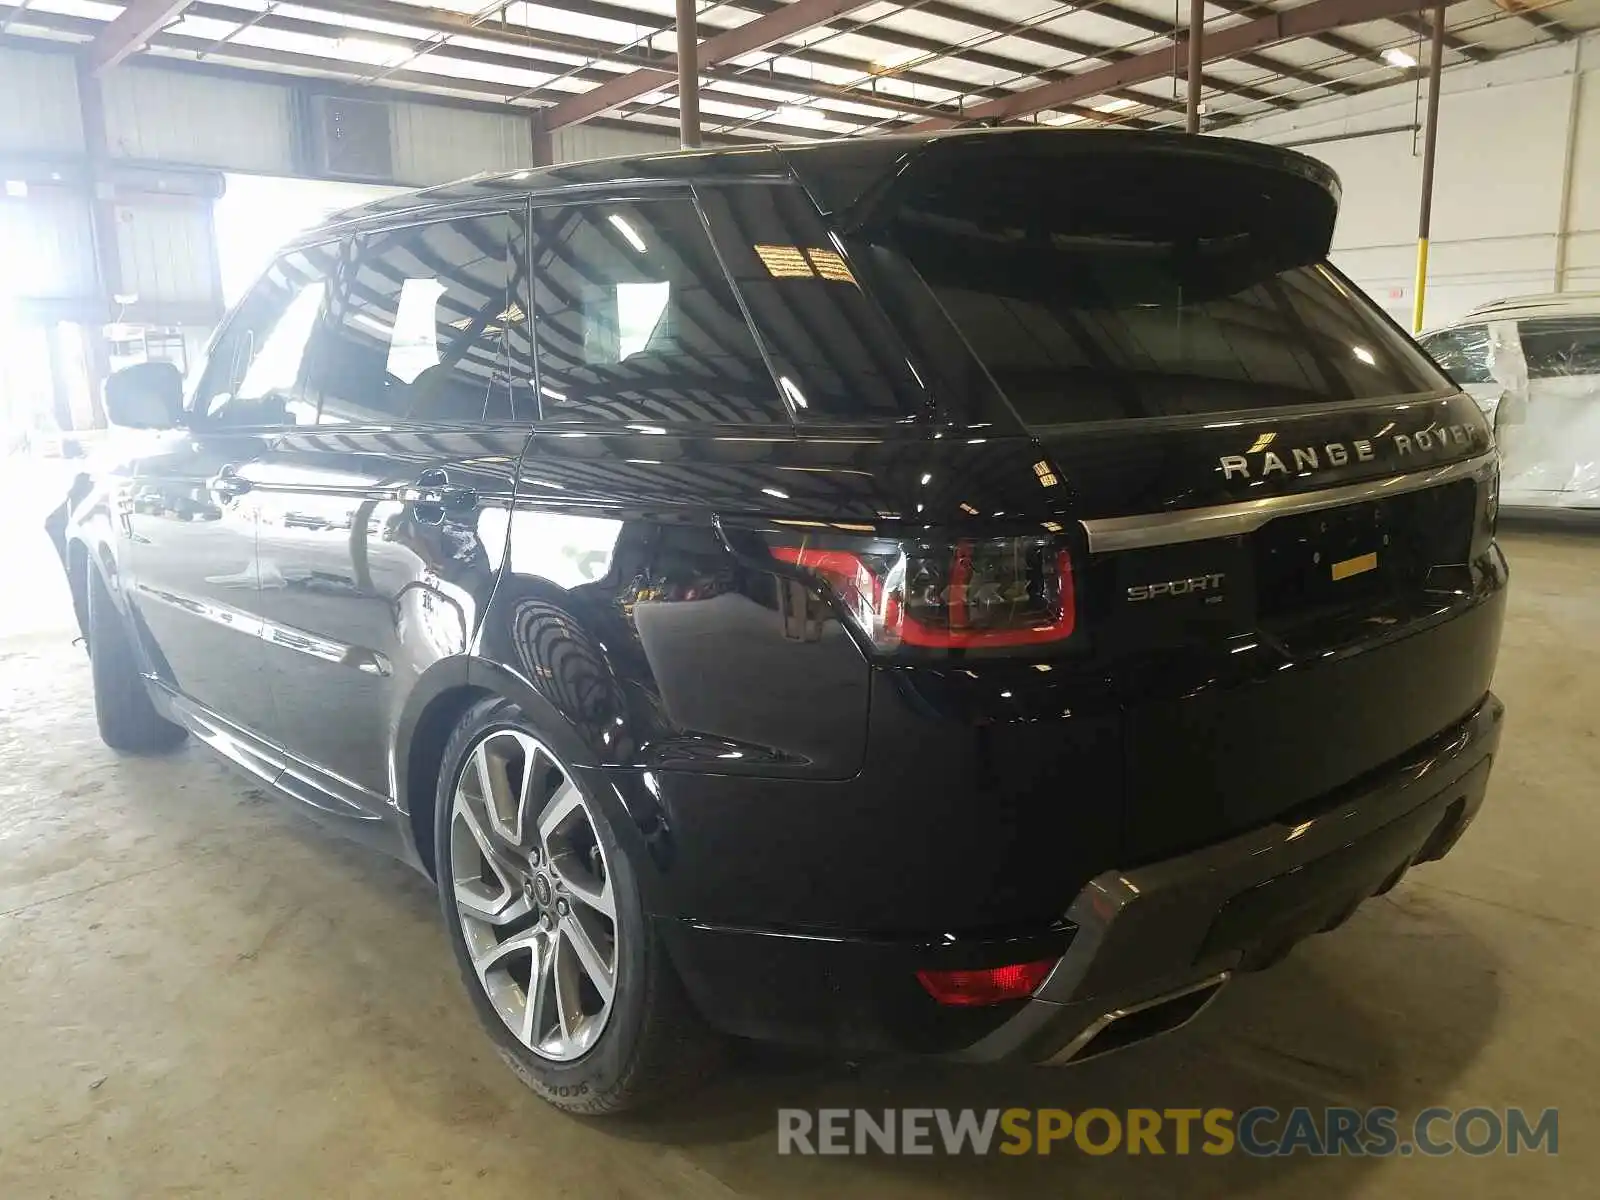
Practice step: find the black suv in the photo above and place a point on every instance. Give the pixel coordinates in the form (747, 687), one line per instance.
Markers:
(966, 594)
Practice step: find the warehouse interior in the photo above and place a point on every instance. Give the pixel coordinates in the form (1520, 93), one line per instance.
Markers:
(201, 993)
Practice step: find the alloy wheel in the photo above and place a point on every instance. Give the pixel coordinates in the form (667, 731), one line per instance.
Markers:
(532, 886)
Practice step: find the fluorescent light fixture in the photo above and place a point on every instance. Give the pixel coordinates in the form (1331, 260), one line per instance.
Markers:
(620, 223)
(801, 114)
(1397, 57)
(17, 189)
(1115, 105)
(370, 50)
(1064, 118)
(893, 60)
(775, 492)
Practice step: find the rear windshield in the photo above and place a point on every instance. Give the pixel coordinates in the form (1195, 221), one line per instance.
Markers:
(1128, 287)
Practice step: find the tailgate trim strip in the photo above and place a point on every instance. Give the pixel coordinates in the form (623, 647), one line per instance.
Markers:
(1108, 534)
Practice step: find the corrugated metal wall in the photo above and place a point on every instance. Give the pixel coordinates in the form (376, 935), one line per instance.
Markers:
(193, 120)
(170, 116)
(577, 142)
(49, 249)
(431, 144)
(38, 104)
(168, 253)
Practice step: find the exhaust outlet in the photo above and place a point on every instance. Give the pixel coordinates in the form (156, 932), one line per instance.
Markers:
(1122, 1027)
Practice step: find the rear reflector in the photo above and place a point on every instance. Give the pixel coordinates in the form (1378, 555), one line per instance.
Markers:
(967, 989)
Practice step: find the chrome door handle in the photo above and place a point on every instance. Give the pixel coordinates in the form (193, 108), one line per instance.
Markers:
(433, 496)
(452, 496)
(228, 483)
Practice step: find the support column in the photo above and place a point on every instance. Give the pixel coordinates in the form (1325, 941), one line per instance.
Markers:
(1430, 142)
(688, 76)
(540, 142)
(1197, 58)
(103, 225)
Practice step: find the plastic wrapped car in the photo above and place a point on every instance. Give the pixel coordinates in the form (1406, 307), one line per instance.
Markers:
(1533, 366)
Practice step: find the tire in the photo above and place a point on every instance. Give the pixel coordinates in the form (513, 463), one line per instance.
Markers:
(127, 719)
(642, 1045)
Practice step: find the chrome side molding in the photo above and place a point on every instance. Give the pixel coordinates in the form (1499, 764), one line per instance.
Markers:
(1228, 520)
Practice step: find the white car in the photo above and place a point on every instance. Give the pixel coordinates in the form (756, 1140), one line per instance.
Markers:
(1533, 365)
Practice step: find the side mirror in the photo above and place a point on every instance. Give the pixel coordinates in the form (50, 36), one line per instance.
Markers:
(145, 396)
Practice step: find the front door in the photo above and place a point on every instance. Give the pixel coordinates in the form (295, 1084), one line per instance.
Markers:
(188, 512)
(381, 529)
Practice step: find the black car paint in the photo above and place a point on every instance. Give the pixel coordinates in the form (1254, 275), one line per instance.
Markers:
(778, 778)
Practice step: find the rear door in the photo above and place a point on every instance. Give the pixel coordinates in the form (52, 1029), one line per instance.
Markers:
(1549, 431)
(666, 435)
(382, 525)
(189, 515)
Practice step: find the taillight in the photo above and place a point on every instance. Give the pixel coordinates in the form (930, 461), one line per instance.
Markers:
(991, 985)
(972, 593)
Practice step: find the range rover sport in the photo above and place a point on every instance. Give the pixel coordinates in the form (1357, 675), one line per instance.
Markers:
(968, 594)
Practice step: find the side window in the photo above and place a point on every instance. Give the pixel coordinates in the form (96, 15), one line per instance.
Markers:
(636, 321)
(427, 325)
(836, 356)
(253, 373)
(1463, 353)
(1559, 346)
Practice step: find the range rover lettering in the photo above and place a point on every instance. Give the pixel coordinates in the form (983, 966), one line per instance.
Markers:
(971, 594)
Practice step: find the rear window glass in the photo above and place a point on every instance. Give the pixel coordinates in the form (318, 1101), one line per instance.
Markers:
(1463, 353)
(1148, 287)
(1557, 346)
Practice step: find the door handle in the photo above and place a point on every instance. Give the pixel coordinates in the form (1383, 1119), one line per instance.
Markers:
(452, 496)
(433, 496)
(228, 483)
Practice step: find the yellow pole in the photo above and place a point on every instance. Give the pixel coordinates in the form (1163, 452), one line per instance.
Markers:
(1421, 285)
(1430, 142)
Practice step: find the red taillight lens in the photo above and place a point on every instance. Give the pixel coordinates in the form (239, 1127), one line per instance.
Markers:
(967, 989)
(974, 593)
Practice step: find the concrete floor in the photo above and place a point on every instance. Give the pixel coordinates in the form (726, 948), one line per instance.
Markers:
(201, 994)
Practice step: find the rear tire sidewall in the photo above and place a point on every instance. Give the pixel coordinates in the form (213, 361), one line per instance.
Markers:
(598, 1080)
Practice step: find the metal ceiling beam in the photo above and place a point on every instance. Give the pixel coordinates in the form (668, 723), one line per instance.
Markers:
(902, 40)
(1334, 41)
(353, 74)
(753, 35)
(1460, 45)
(440, 21)
(1070, 45)
(1149, 24)
(130, 30)
(444, 21)
(1306, 21)
(1548, 26)
(436, 20)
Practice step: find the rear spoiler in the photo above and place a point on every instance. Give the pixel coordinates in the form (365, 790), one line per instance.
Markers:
(855, 180)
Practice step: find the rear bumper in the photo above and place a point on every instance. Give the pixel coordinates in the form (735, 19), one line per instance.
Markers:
(1140, 950)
